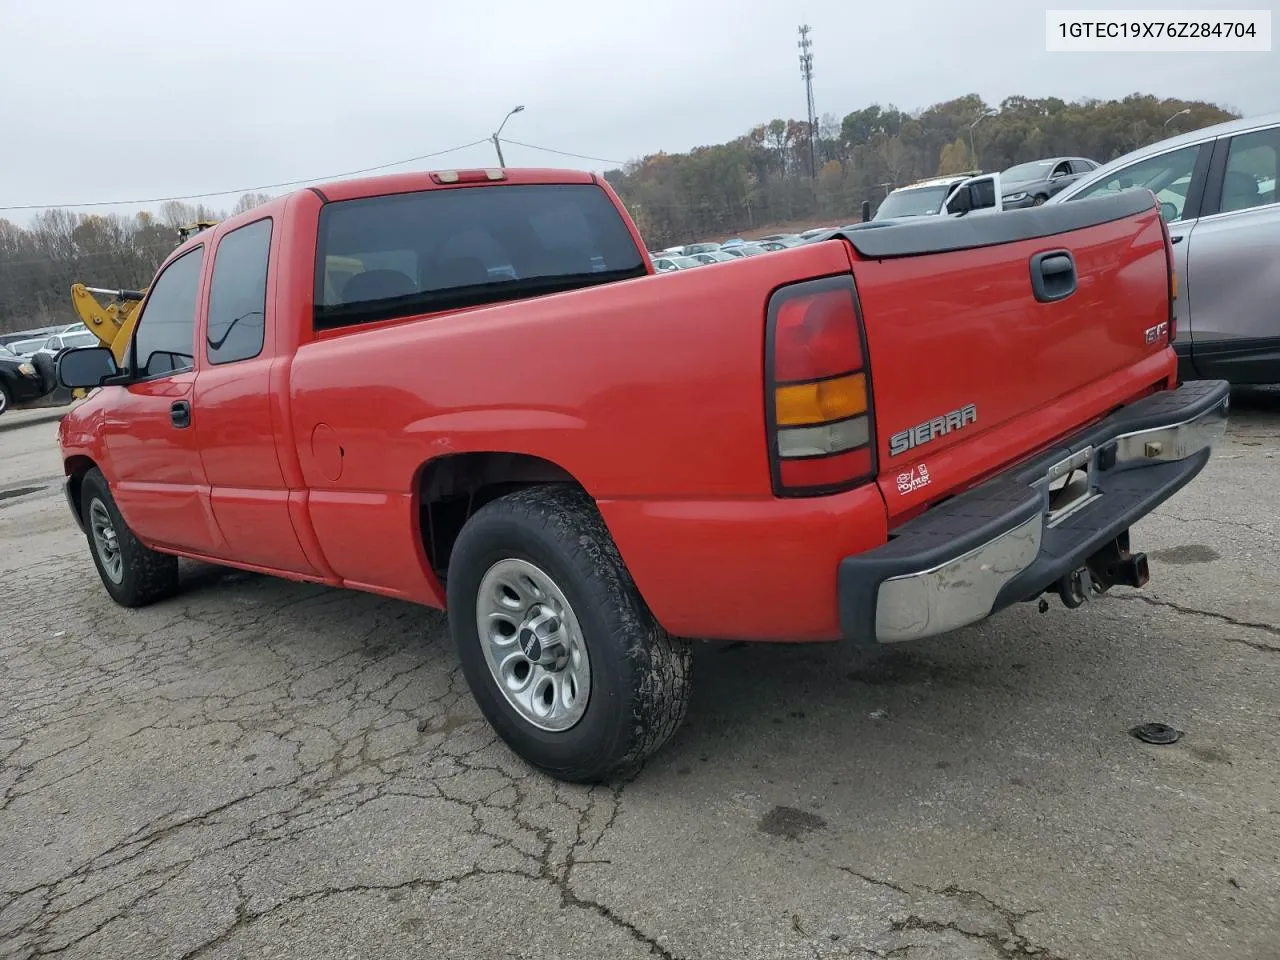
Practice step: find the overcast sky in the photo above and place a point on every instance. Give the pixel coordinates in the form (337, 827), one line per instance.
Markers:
(105, 100)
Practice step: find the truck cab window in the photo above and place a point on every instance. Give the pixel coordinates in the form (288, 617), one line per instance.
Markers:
(164, 340)
(434, 250)
(238, 294)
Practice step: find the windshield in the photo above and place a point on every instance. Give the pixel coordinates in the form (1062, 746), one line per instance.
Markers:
(917, 202)
(1028, 171)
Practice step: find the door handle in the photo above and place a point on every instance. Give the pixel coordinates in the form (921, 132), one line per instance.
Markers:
(1177, 239)
(1053, 275)
(180, 414)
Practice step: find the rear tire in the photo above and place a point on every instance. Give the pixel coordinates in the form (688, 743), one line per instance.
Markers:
(134, 575)
(4, 399)
(540, 571)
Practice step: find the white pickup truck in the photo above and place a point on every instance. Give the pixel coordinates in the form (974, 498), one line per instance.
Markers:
(962, 193)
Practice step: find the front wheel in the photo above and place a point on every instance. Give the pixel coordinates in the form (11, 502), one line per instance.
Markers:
(4, 398)
(133, 574)
(1039, 199)
(560, 651)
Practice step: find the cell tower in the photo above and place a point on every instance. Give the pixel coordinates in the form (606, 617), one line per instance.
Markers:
(806, 71)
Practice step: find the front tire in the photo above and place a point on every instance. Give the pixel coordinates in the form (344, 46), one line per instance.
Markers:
(559, 649)
(134, 575)
(4, 398)
(1039, 199)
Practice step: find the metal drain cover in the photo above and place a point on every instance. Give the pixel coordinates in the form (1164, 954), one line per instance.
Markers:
(1160, 733)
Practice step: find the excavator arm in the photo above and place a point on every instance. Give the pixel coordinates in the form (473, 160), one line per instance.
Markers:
(112, 324)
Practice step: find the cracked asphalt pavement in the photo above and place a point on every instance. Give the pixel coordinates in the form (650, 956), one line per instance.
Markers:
(265, 769)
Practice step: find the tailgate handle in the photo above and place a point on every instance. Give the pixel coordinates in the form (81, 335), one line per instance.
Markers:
(1053, 275)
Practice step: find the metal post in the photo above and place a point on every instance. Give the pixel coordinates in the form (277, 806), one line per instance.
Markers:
(497, 145)
(973, 151)
(806, 71)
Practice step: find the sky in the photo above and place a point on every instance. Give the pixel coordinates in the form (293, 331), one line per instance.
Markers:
(133, 99)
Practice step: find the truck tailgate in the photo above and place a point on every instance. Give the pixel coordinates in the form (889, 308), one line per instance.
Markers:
(972, 367)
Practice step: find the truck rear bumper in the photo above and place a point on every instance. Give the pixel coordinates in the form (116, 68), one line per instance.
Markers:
(1013, 537)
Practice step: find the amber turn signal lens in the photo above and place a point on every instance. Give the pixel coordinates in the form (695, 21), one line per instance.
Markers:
(835, 399)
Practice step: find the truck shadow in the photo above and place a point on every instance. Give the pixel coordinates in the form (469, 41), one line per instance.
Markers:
(1015, 687)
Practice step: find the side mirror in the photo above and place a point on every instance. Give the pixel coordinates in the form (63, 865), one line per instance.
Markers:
(1168, 212)
(86, 368)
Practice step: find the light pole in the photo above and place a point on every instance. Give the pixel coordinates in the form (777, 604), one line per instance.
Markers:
(972, 150)
(1181, 113)
(496, 144)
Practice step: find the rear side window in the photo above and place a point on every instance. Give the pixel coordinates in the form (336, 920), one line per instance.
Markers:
(238, 294)
(1253, 161)
(385, 257)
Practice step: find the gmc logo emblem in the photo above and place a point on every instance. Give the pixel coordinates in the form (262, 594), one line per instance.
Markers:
(1156, 333)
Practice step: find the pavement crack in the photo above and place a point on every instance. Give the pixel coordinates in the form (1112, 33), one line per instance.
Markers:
(1009, 945)
(1266, 628)
(879, 883)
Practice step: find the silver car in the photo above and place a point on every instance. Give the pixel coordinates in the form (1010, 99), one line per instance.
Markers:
(668, 264)
(1217, 192)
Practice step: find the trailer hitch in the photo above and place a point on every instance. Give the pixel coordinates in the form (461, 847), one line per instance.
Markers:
(1113, 565)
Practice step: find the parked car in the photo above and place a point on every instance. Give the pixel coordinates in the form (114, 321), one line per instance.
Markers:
(40, 333)
(744, 250)
(20, 381)
(693, 248)
(1217, 192)
(77, 335)
(957, 194)
(815, 231)
(667, 264)
(26, 348)
(587, 467)
(1031, 184)
(782, 242)
(732, 242)
(714, 256)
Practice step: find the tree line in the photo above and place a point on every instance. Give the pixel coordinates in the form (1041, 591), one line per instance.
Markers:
(771, 174)
(39, 263)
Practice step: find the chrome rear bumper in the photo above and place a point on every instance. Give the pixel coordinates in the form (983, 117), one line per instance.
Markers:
(1009, 539)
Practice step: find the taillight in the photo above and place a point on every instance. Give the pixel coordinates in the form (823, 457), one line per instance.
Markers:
(818, 401)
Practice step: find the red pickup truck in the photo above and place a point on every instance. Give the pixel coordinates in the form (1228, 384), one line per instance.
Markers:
(469, 389)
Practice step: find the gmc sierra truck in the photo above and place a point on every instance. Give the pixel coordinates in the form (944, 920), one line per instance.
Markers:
(469, 389)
